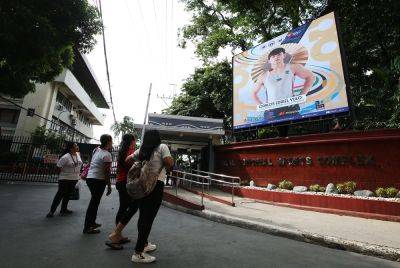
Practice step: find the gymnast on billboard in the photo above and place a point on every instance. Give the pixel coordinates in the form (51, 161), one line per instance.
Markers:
(278, 80)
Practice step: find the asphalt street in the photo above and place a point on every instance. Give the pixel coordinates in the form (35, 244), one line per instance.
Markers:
(28, 239)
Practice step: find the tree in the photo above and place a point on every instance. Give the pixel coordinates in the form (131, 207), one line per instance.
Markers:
(38, 39)
(371, 45)
(241, 24)
(125, 126)
(206, 93)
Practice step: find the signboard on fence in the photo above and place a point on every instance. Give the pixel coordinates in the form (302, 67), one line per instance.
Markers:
(50, 159)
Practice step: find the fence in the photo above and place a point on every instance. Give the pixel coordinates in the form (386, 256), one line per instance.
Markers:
(34, 160)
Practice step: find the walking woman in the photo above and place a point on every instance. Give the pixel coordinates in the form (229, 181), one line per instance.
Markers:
(127, 206)
(70, 165)
(97, 179)
(159, 158)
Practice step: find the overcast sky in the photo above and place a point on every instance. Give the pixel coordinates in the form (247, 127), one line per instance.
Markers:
(141, 40)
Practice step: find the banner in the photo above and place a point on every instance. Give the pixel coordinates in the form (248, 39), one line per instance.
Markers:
(294, 76)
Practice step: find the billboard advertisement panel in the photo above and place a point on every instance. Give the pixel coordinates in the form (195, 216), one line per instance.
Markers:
(295, 76)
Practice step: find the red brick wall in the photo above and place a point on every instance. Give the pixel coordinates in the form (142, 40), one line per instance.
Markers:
(382, 145)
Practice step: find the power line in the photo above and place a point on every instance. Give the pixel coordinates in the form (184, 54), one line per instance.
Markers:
(105, 57)
(172, 40)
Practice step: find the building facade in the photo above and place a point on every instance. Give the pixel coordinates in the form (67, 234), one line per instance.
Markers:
(68, 105)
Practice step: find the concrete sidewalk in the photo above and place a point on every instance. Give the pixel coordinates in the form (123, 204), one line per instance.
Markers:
(367, 236)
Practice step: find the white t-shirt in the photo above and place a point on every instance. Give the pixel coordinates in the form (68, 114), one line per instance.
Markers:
(157, 160)
(279, 86)
(96, 170)
(70, 166)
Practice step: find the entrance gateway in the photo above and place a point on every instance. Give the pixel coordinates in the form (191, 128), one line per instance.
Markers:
(190, 139)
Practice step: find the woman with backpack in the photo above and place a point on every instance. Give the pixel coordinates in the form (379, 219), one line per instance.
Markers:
(159, 160)
(70, 165)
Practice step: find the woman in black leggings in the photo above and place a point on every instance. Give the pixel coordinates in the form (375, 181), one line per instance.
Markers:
(70, 165)
(127, 206)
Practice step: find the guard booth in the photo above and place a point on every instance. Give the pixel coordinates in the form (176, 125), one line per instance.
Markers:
(190, 139)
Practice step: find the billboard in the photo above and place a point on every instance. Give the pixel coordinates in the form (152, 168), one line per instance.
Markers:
(295, 76)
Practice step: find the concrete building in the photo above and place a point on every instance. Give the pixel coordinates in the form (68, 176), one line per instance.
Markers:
(68, 105)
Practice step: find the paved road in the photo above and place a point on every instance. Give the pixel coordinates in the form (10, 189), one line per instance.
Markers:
(28, 239)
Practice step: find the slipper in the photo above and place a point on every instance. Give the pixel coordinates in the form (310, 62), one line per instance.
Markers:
(115, 246)
(124, 240)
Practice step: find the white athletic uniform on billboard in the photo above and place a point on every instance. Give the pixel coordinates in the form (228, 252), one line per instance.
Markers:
(279, 86)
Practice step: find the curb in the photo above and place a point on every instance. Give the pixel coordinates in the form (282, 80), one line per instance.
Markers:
(384, 252)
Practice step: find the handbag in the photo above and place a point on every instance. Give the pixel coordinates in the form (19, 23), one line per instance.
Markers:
(141, 181)
(75, 193)
(86, 168)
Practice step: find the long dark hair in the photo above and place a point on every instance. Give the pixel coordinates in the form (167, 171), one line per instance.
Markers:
(151, 141)
(124, 147)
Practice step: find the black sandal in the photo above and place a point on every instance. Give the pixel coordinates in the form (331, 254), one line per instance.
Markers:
(114, 245)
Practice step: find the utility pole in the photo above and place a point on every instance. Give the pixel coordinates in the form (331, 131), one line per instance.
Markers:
(145, 114)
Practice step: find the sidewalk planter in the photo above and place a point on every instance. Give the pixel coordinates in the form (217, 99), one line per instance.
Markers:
(365, 208)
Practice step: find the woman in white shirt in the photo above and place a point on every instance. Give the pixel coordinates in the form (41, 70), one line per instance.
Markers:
(70, 164)
(97, 179)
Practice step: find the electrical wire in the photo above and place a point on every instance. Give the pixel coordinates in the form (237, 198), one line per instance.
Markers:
(106, 61)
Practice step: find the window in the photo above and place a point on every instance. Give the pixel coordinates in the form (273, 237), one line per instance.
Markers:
(9, 116)
(61, 99)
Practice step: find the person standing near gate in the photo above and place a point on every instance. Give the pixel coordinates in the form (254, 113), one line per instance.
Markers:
(70, 164)
(97, 178)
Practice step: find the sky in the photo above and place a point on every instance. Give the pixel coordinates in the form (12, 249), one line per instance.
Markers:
(141, 40)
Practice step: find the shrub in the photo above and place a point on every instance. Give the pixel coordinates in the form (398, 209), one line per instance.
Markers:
(381, 192)
(285, 184)
(340, 188)
(347, 187)
(316, 188)
(350, 187)
(391, 192)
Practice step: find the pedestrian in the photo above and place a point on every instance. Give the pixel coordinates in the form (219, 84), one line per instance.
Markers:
(127, 206)
(97, 179)
(70, 164)
(159, 158)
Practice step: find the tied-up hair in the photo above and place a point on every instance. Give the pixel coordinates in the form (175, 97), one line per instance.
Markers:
(124, 147)
(68, 148)
(151, 141)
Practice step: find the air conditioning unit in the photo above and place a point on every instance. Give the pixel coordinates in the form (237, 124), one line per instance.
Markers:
(59, 107)
(73, 121)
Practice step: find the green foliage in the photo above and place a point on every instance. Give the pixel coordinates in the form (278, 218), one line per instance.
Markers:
(240, 24)
(340, 188)
(381, 192)
(316, 188)
(206, 93)
(285, 184)
(125, 126)
(38, 39)
(347, 187)
(391, 192)
(41, 136)
(350, 187)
